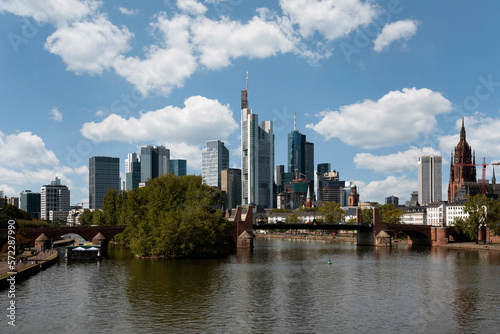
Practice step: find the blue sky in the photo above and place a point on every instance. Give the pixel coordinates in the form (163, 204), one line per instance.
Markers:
(374, 84)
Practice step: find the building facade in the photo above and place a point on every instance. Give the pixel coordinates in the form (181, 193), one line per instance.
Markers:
(430, 184)
(231, 187)
(154, 162)
(178, 167)
(133, 176)
(54, 201)
(214, 158)
(104, 173)
(436, 214)
(31, 203)
(461, 166)
(257, 157)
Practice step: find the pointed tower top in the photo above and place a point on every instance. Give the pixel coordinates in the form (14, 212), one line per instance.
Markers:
(493, 178)
(462, 130)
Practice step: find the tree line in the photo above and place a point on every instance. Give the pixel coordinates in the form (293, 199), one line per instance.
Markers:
(174, 216)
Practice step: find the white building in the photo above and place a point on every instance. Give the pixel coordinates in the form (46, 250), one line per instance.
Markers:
(55, 198)
(214, 158)
(430, 187)
(414, 215)
(257, 157)
(436, 214)
(454, 211)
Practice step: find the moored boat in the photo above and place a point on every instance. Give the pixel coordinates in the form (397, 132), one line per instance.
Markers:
(83, 252)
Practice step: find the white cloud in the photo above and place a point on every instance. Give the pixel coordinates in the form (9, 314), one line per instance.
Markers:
(482, 135)
(398, 117)
(395, 31)
(220, 41)
(56, 115)
(129, 12)
(89, 46)
(191, 7)
(377, 191)
(25, 149)
(166, 66)
(393, 163)
(331, 18)
(196, 122)
(54, 11)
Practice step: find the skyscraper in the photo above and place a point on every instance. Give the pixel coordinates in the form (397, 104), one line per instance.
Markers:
(214, 158)
(430, 186)
(178, 167)
(257, 158)
(104, 173)
(154, 162)
(132, 172)
(296, 154)
(31, 202)
(54, 201)
(231, 187)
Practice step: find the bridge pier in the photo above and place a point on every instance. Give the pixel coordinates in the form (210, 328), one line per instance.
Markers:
(100, 240)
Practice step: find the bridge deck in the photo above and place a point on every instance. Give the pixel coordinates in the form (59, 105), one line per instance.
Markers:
(345, 227)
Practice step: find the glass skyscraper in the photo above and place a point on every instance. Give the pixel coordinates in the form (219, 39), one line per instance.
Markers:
(178, 167)
(214, 158)
(104, 173)
(154, 162)
(257, 157)
(31, 203)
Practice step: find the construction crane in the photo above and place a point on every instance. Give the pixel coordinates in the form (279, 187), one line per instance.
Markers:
(484, 164)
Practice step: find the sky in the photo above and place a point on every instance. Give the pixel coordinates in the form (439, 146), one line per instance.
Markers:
(374, 84)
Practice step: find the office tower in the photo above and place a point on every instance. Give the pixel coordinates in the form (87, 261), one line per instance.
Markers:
(231, 187)
(30, 202)
(214, 158)
(324, 168)
(131, 158)
(331, 189)
(178, 167)
(154, 162)
(430, 187)
(257, 157)
(104, 173)
(392, 200)
(54, 201)
(309, 167)
(133, 177)
(280, 170)
(297, 154)
(461, 169)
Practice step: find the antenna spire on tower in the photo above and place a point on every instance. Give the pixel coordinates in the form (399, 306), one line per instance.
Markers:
(247, 80)
(294, 121)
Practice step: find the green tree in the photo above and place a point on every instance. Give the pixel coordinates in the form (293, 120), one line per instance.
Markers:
(292, 219)
(275, 210)
(109, 207)
(304, 209)
(481, 212)
(85, 217)
(367, 215)
(332, 213)
(390, 214)
(98, 218)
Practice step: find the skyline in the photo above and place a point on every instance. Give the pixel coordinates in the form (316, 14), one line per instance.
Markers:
(374, 84)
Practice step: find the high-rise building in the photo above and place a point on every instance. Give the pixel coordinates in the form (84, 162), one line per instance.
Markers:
(430, 188)
(461, 169)
(331, 189)
(30, 202)
(296, 154)
(54, 201)
(131, 158)
(178, 167)
(231, 187)
(104, 173)
(214, 158)
(133, 177)
(154, 162)
(280, 169)
(392, 200)
(309, 167)
(257, 157)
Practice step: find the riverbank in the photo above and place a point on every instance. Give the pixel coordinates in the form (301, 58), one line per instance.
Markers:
(473, 245)
(31, 266)
(329, 238)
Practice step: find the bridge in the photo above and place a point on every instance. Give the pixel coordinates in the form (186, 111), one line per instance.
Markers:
(374, 234)
(45, 236)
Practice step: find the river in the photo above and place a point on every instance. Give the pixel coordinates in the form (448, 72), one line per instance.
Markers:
(282, 286)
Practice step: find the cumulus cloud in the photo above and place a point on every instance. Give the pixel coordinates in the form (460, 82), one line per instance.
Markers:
(404, 29)
(398, 117)
(377, 191)
(191, 7)
(129, 12)
(196, 122)
(393, 163)
(331, 18)
(25, 149)
(89, 46)
(482, 135)
(56, 12)
(56, 115)
(220, 41)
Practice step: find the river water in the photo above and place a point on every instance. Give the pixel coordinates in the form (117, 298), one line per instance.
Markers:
(282, 286)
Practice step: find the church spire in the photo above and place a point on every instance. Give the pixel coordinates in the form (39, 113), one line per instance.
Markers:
(462, 131)
(493, 178)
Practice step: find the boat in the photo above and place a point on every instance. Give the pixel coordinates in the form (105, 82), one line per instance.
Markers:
(83, 252)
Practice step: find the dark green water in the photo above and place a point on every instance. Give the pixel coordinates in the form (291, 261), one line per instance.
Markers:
(281, 287)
